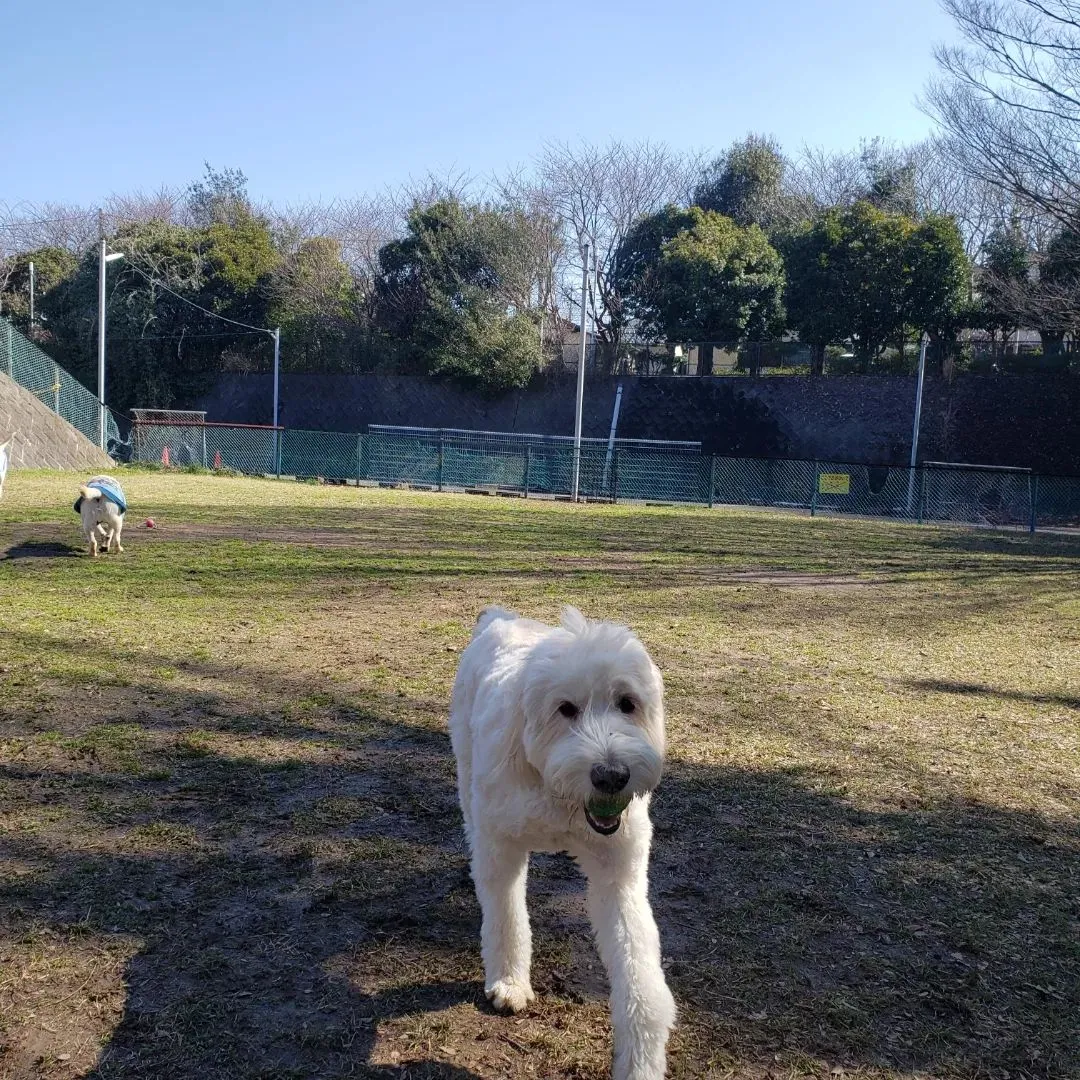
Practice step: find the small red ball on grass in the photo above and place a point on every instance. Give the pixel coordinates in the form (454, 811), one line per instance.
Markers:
(149, 523)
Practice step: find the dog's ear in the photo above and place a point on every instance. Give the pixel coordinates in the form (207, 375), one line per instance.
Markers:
(488, 616)
(573, 620)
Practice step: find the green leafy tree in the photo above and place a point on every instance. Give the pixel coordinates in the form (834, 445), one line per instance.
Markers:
(891, 179)
(316, 302)
(869, 276)
(451, 293)
(161, 347)
(52, 265)
(219, 198)
(1055, 306)
(694, 275)
(636, 274)
(746, 184)
(936, 276)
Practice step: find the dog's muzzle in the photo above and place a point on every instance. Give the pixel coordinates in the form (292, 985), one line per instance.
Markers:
(604, 810)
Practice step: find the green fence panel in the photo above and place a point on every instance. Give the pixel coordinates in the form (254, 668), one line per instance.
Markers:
(544, 465)
(329, 454)
(22, 361)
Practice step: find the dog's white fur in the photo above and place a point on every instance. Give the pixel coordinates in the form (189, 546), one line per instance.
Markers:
(5, 461)
(523, 781)
(101, 517)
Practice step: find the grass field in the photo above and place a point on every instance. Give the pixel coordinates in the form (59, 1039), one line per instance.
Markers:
(229, 839)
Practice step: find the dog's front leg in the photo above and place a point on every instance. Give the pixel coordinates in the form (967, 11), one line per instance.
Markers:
(499, 870)
(642, 1008)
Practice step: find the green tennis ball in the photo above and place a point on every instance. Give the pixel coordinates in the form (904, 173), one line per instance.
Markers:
(608, 806)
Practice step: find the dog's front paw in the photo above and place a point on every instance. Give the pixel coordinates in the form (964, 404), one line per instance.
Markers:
(509, 995)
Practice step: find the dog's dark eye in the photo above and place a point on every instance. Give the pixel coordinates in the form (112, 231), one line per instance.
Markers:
(626, 704)
(568, 709)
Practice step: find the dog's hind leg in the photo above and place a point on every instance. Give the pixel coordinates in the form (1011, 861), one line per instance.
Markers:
(499, 870)
(642, 1008)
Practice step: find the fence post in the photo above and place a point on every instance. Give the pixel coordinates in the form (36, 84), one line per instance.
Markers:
(277, 451)
(922, 495)
(10, 351)
(56, 389)
(814, 494)
(204, 445)
(359, 458)
(614, 476)
(528, 467)
(1033, 498)
(712, 481)
(440, 476)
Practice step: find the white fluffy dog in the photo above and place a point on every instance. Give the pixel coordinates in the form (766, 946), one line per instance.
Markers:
(101, 512)
(559, 738)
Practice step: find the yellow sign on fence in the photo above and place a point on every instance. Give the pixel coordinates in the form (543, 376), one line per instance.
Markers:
(834, 483)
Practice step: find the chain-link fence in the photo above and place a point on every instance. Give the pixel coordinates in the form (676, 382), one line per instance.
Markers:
(757, 358)
(532, 464)
(690, 358)
(22, 361)
(621, 470)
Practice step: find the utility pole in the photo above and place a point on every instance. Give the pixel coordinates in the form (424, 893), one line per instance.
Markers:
(101, 330)
(915, 425)
(580, 377)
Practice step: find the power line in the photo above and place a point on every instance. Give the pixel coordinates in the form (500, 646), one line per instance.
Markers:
(189, 337)
(72, 219)
(197, 307)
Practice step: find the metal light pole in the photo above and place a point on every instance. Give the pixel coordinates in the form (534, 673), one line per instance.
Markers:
(580, 378)
(103, 258)
(276, 335)
(915, 425)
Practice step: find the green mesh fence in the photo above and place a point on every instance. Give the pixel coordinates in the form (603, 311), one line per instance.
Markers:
(1057, 501)
(978, 496)
(22, 361)
(533, 464)
(625, 470)
(246, 449)
(329, 454)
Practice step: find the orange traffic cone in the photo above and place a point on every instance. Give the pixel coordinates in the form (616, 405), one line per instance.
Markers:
(217, 459)
(165, 457)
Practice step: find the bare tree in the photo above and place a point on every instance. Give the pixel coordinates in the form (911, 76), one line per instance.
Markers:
(1009, 99)
(28, 226)
(431, 187)
(820, 178)
(36, 225)
(7, 268)
(543, 248)
(597, 194)
(167, 205)
(363, 225)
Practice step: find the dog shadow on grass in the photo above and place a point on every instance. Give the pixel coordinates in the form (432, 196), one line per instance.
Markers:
(32, 549)
(312, 916)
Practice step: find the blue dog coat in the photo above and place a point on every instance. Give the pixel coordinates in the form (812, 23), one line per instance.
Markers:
(109, 488)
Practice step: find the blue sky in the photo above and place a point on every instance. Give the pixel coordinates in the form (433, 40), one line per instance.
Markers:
(330, 98)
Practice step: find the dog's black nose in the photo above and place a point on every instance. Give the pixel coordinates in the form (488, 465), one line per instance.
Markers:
(608, 778)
